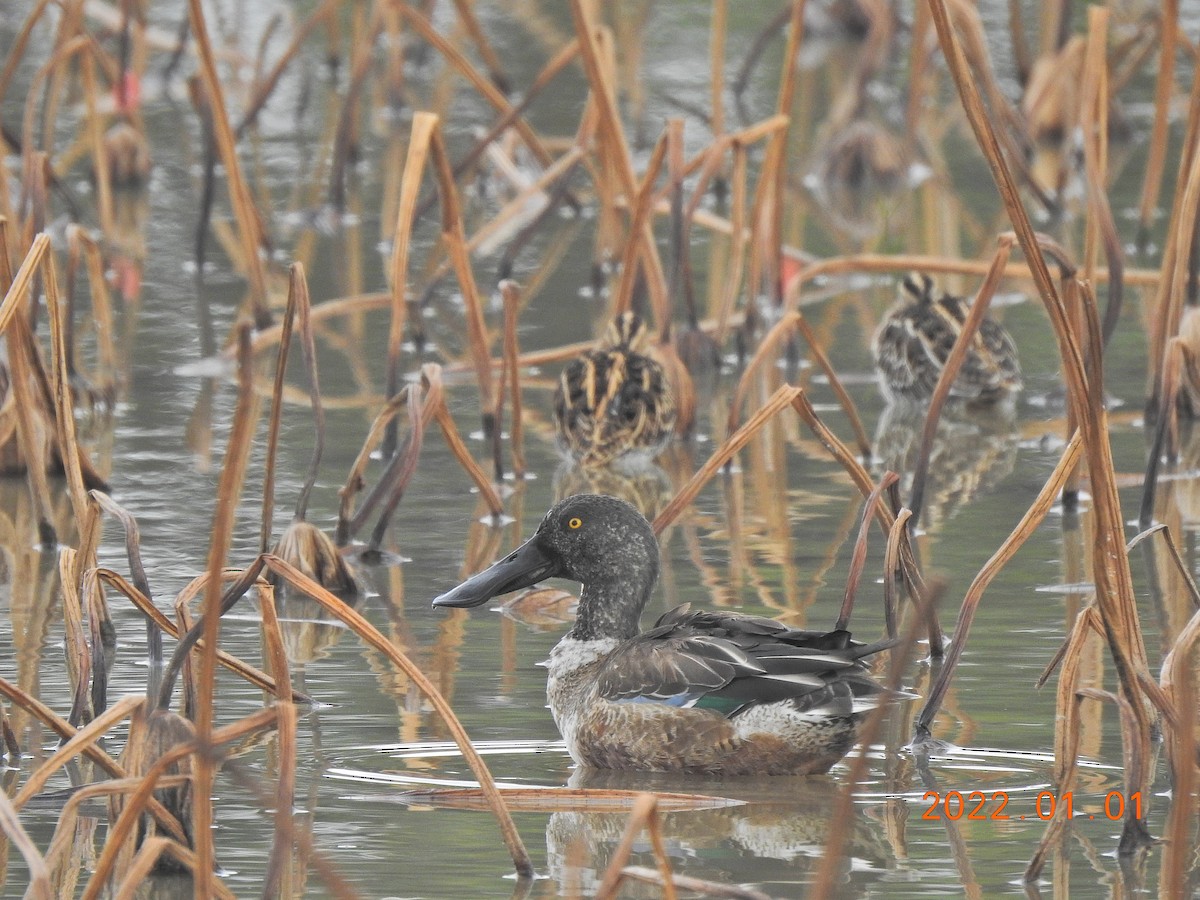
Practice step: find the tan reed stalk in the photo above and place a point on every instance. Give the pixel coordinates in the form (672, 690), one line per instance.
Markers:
(276, 417)
(1033, 517)
(421, 24)
(879, 262)
(106, 354)
(77, 651)
(101, 168)
(640, 206)
(298, 836)
(737, 242)
(410, 187)
(285, 726)
(564, 57)
(242, 669)
(1066, 724)
(918, 72)
(487, 491)
(229, 491)
(39, 875)
(1167, 308)
(954, 361)
(510, 291)
(858, 558)
(140, 799)
(1065, 781)
(1101, 227)
(1179, 832)
(455, 240)
(716, 66)
(466, 14)
(842, 815)
(22, 362)
(1114, 585)
(644, 815)
(683, 498)
(400, 470)
(370, 635)
(789, 323)
(766, 217)
(893, 555)
(82, 738)
(145, 860)
(1164, 87)
(699, 886)
(103, 636)
(16, 50)
(593, 41)
(64, 830)
(249, 227)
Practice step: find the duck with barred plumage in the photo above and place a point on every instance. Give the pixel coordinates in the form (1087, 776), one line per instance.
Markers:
(614, 400)
(713, 693)
(917, 335)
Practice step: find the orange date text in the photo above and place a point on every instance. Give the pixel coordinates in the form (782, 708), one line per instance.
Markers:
(956, 805)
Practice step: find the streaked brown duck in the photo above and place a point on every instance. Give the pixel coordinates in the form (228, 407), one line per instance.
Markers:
(917, 335)
(713, 693)
(614, 400)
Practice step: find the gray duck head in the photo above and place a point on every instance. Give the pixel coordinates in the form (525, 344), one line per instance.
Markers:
(602, 542)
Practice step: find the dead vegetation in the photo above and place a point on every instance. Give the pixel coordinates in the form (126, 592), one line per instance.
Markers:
(763, 287)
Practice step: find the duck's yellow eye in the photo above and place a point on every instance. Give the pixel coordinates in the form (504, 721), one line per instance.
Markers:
(574, 522)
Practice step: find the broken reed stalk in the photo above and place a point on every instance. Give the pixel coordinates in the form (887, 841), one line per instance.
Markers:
(782, 398)
(276, 417)
(132, 811)
(1168, 302)
(455, 239)
(242, 669)
(1179, 680)
(370, 635)
(954, 361)
(1114, 583)
(1063, 783)
(229, 491)
(1101, 227)
(410, 188)
(66, 732)
(1164, 85)
(644, 815)
(842, 815)
(240, 196)
(400, 470)
(611, 138)
(106, 354)
(858, 558)
(510, 292)
(308, 347)
(766, 218)
(39, 874)
(77, 652)
(791, 321)
(1029, 523)
(83, 738)
(640, 209)
(285, 728)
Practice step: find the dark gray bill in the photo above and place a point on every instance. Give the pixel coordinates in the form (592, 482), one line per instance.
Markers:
(525, 566)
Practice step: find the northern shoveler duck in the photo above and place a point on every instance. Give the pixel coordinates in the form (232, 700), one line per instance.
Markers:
(712, 693)
(614, 400)
(917, 335)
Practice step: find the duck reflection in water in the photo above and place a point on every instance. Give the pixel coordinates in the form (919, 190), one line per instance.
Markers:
(973, 451)
(771, 829)
(712, 693)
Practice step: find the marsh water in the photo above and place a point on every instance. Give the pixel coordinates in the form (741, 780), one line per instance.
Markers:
(772, 536)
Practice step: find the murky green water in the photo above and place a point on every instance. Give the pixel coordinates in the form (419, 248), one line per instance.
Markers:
(772, 537)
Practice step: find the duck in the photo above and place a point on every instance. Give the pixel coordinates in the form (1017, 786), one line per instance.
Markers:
(917, 335)
(614, 401)
(713, 693)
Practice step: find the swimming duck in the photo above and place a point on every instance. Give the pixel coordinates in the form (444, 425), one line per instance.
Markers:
(917, 335)
(614, 400)
(714, 693)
